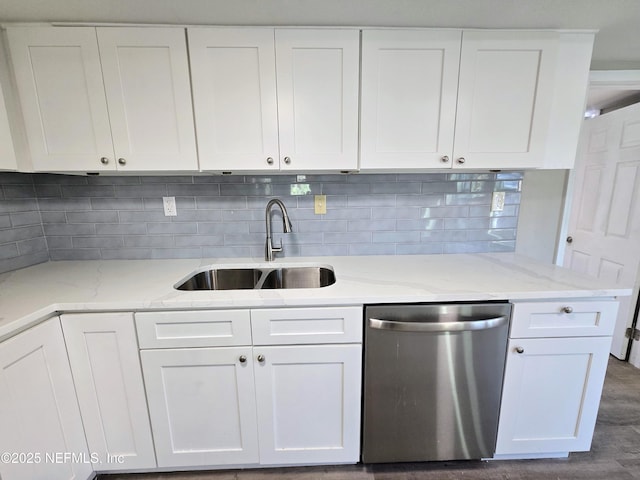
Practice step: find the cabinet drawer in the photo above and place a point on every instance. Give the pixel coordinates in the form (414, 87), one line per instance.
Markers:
(564, 318)
(208, 328)
(306, 325)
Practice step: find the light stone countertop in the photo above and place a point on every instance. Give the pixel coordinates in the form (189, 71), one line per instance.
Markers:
(33, 294)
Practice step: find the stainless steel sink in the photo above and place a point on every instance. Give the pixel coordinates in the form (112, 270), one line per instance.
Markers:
(299, 277)
(223, 279)
(259, 278)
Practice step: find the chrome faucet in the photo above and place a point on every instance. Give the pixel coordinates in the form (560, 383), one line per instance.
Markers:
(269, 249)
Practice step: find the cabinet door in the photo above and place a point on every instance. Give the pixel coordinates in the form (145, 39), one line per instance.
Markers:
(202, 406)
(409, 90)
(103, 353)
(234, 90)
(297, 326)
(39, 417)
(551, 394)
(7, 152)
(308, 400)
(194, 328)
(59, 82)
(505, 97)
(146, 79)
(318, 112)
(564, 318)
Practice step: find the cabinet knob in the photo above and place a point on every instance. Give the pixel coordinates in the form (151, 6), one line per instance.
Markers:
(287, 160)
(445, 159)
(569, 239)
(122, 161)
(269, 161)
(519, 350)
(243, 358)
(567, 309)
(104, 161)
(461, 160)
(260, 358)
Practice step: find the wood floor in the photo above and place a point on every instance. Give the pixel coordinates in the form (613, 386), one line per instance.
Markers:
(614, 455)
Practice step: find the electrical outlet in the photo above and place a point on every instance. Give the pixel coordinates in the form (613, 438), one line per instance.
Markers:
(169, 204)
(320, 204)
(497, 202)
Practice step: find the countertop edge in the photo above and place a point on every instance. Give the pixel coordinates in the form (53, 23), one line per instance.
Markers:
(44, 313)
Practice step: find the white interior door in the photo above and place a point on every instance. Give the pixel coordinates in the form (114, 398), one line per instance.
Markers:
(604, 224)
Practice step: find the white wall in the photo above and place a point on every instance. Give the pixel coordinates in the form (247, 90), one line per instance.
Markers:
(541, 208)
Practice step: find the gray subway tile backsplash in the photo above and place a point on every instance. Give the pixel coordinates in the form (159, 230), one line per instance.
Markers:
(63, 217)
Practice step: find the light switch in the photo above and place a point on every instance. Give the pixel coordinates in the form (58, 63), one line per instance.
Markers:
(320, 204)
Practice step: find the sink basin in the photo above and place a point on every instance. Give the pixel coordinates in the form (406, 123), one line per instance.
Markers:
(259, 278)
(223, 279)
(299, 277)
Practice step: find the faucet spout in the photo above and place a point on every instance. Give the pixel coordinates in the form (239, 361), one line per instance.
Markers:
(269, 248)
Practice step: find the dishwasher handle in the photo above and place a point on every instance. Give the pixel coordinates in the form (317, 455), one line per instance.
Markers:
(481, 324)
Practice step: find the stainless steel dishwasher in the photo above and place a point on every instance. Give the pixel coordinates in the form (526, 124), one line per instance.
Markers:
(433, 380)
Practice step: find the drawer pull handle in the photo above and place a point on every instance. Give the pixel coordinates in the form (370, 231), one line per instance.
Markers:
(260, 358)
(519, 350)
(567, 309)
(243, 358)
(445, 159)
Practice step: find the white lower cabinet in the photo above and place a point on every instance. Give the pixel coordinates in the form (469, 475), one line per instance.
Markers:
(552, 384)
(41, 435)
(308, 404)
(219, 405)
(202, 406)
(103, 353)
(551, 394)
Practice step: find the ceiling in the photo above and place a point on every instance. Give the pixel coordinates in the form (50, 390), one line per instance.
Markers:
(617, 45)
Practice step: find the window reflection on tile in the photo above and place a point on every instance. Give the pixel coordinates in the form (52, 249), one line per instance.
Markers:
(299, 189)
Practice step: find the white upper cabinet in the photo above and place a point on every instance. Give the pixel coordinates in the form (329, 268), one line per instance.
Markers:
(105, 99)
(146, 79)
(317, 76)
(7, 152)
(418, 111)
(245, 123)
(505, 95)
(234, 90)
(409, 91)
(60, 85)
